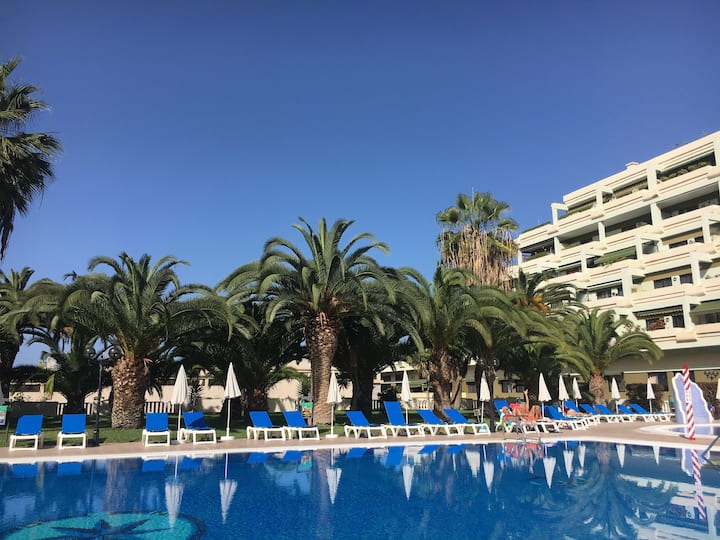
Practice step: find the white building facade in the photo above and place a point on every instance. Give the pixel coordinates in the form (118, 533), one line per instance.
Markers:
(645, 242)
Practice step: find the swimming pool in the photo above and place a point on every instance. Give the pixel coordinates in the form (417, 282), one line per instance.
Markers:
(464, 491)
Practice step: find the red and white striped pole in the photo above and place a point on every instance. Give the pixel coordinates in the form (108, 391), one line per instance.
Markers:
(689, 414)
(699, 498)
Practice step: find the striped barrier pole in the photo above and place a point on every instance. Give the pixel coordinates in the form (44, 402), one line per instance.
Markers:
(689, 414)
(699, 498)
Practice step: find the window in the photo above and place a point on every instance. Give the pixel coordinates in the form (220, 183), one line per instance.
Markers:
(655, 323)
(678, 321)
(686, 278)
(604, 293)
(661, 380)
(664, 282)
(507, 386)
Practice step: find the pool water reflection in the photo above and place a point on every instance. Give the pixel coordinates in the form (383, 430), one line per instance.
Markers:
(532, 490)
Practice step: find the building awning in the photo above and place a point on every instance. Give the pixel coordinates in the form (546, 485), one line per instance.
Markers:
(658, 312)
(713, 306)
(616, 255)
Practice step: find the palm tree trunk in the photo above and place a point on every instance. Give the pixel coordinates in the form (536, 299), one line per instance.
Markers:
(321, 335)
(129, 386)
(8, 353)
(362, 384)
(441, 380)
(597, 387)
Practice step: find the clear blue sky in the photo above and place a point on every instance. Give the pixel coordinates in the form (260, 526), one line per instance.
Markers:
(202, 129)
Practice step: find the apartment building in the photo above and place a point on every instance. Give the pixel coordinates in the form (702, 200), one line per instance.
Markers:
(646, 243)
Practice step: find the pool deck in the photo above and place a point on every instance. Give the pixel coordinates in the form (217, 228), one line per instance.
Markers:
(638, 433)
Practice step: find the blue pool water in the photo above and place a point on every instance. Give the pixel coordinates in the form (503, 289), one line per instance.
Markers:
(513, 490)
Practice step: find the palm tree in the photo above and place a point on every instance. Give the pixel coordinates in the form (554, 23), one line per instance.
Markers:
(597, 339)
(144, 309)
(320, 291)
(533, 291)
(22, 306)
(453, 319)
(476, 235)
(25, 158)
(74, 376)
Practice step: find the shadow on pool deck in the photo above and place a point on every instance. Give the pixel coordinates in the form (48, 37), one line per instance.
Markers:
(640, 433)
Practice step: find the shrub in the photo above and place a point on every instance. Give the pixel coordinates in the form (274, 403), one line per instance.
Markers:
(637, 393)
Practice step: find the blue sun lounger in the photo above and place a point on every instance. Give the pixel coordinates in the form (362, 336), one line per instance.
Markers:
(475, 427)
(262, 425)
(73, 427)
(397, 421)
(567, 421)
(156, 425)
(195, 427)
(660, 416)
(296, 424)
(591, 418)
(359, 425)
(29, 428)
(607, 417)
(433, 424)
(603, 410)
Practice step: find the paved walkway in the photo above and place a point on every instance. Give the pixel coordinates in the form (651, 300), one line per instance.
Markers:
(639, 433)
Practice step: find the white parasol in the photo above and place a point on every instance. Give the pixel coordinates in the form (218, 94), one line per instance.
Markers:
(562, 391)
(717, 392)
(333, 480)
(621, 454)
(568, 459)
(581, 458)
(227, 490)
(489, 470)
(473, 459)
(484, 396)
(576, 391)
(407, 472)
(549, 464)
(650, 392)
(614, 392)
(543, 393)
(173, 496)
(405, 394)
(232, 390)
(180, 393)
(333, 475)
(2, 397)
(333, 398)
(656, 452)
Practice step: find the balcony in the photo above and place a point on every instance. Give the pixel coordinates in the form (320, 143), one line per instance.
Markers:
(609, 303)
(690, 221)
(687, 182)
(711, 286)
(627, 203)
(676, 257)
(665, 295)
(536, 235)
(708, 331)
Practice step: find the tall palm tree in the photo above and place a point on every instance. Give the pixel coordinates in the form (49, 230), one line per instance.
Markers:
(454, 318)
(22, 306)
(25, 158)
(477, 236)
(597, 339)
(320, 290)
(143, 308)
